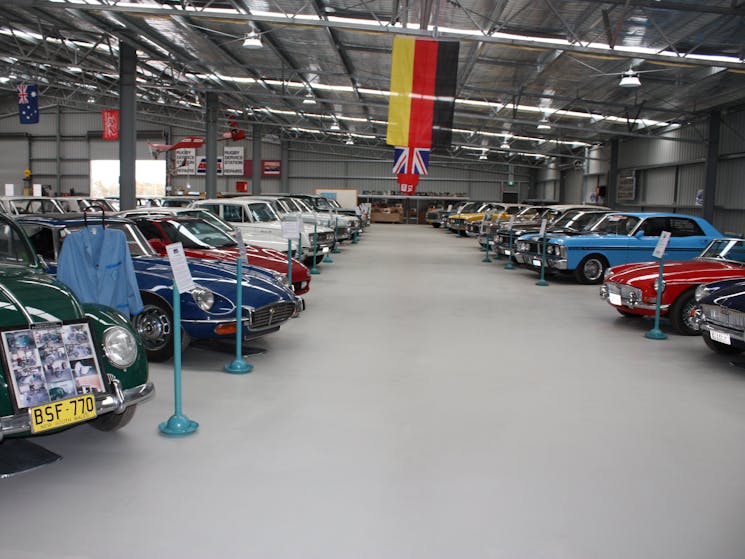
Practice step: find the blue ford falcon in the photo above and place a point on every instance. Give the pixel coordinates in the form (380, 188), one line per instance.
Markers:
(208, 312)
(618, 238)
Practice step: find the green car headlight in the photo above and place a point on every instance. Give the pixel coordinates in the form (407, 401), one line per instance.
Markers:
(120, 346)
(204, 298)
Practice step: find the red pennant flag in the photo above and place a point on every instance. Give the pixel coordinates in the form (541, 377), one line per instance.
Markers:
(408, 182)
(110, 124)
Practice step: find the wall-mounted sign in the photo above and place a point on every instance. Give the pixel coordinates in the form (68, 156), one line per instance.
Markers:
(271, 168)
(185, 162)
(626, 186)
(232, 158)
(202, 167)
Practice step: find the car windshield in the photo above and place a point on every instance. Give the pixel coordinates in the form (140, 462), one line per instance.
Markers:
(726, 249)
(616, 224)
(211, 218)
(324, 204)
(470, 207)
(195, 233)
(567, 219)
(138, 245)
(530, 213)
(262, 212)
(14, 249)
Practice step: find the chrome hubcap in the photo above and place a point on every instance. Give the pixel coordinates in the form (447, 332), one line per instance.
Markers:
(154, 327)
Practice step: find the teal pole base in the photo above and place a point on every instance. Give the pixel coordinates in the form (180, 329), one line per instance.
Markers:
(486, 257)
(238, 367)
(315, 271)
(509, 266)
(355, 240)
(542, 283)
(178, 426)
(336, 249)
(655, 334)
(497, 256)
(327, 260)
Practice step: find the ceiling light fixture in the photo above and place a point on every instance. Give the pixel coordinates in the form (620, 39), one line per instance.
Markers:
(91, 99)
(505, 145)
(334, 126)
(309, 100)
(544, 124)
(629, 79)
(350, 141)
(252, 40)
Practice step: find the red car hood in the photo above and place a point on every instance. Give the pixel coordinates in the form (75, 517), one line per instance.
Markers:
(257, 256)
(698, 270)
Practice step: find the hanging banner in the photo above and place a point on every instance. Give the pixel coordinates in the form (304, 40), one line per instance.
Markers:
(423, 82)
(110, 122)
(232, 157)
(185, 161)
(28, 103)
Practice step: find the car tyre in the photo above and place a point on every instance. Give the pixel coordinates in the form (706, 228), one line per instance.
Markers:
(719, 347)
(680, 314)
(155, 327)
(113, 421)
(436, 225)
(591, 269)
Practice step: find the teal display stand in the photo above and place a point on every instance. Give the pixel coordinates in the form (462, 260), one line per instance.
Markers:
(354, 238)
(509, 265)
(289, 262)
(315, 270)
(486, 253)
(655, 333)
(238, 366)
(542, 282)
(178, 425)
(336, 249)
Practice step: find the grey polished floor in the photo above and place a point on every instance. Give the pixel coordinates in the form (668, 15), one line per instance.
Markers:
(427, 405)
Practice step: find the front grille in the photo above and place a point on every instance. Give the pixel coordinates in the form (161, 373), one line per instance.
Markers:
(724, 316)
(433, 215)
(323, 238)
(625, 291)
(270, 315)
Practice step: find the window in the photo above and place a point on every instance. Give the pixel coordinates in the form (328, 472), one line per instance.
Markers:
(654, 226)
(681, 227)
(233, 214)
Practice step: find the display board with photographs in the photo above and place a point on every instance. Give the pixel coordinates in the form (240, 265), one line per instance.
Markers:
(51, 361)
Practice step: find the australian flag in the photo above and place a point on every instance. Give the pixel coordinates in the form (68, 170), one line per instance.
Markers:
(410, 160)
(28, 103)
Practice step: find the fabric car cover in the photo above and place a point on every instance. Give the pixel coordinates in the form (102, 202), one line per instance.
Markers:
(95, 263)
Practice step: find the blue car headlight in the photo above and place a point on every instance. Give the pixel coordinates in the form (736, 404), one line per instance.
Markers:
(203, 297)
(120, 346)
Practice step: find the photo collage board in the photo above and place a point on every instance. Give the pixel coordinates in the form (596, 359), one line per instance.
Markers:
(51, 361)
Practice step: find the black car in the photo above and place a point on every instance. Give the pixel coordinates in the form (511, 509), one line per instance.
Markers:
(721, 315)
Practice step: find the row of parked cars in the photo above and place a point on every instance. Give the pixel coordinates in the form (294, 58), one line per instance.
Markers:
(101, 374)
(703, 278)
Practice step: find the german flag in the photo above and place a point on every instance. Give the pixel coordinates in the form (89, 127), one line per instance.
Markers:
(423, 78)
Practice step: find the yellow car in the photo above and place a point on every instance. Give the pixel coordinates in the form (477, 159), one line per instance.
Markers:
(472, 212)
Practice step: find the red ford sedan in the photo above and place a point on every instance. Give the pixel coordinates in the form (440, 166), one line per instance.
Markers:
(632, 288)
(201, 239)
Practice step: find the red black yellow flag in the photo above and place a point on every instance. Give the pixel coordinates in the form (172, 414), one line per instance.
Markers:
(424, 73)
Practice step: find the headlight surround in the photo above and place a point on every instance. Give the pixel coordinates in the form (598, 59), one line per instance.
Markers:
(120, 346)
(656, 284)
(282, 278)
(702, 291)
(203, 297)
(608, 273)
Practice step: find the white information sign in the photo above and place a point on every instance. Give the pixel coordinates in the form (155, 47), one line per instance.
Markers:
(232, 160)
(542, 232)
(511, 223)
(185, 162)
(659, 250)
(291, 227)
(9, 189)
(36, 190)
(241, 245)
(181, 272)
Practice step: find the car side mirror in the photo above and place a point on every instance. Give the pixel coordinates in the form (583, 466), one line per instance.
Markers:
(158, 245)
(639, 234)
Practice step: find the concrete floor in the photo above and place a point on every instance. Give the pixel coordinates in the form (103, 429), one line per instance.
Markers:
(427, 405)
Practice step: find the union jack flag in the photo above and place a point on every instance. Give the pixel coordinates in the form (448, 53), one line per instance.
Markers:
(411, 160)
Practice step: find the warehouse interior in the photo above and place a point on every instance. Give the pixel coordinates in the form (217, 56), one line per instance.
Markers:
(427, 403)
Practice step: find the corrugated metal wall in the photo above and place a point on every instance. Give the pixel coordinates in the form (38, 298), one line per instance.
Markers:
(638, 153)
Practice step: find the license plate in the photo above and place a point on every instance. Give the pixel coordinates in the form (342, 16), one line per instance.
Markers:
(536, 262)
(615, 299)
(720, 337)
(62, 413)
(508, 252)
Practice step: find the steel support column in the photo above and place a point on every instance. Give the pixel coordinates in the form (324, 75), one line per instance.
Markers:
(284, 165)
(612, 187)
(256, 160)
(127, 126)
(712, 162)
(210, 184)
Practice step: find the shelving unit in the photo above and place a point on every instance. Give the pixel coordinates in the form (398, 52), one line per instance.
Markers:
(418, 204)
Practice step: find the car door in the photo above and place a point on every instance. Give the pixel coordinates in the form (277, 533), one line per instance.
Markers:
(644, 238)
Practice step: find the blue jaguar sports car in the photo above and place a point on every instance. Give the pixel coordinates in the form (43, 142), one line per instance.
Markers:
(208, 312)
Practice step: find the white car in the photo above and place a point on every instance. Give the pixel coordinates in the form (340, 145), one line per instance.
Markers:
(261, 226)
(287, 206)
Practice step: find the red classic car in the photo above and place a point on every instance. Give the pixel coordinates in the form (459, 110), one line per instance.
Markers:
(632, 288)
(201, 239)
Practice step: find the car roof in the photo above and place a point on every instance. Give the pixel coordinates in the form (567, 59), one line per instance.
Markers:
(65, 219)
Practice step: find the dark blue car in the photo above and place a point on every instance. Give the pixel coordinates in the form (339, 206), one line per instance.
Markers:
(208, 312)
(721, 315)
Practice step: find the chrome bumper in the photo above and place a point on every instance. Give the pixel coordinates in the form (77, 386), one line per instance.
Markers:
(116, 402)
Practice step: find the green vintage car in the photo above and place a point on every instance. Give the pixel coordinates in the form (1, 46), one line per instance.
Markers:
(63, 362)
